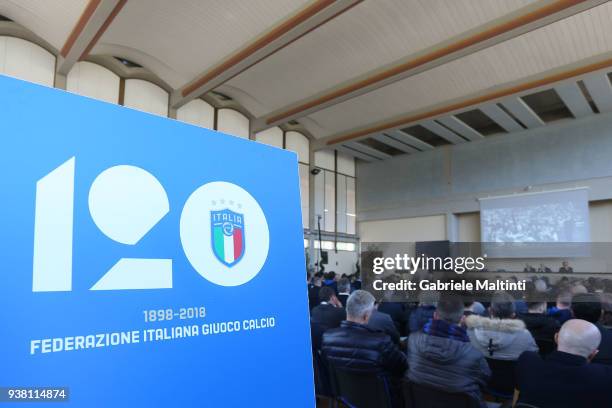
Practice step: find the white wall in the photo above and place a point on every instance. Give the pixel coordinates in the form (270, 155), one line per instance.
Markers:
(25, 60)
(94, 81)
(600, 215)
(341, 262)
(468, 225)
(197, 112)
(145, 96)
(430, 228)
(232, 122)
(451, 179)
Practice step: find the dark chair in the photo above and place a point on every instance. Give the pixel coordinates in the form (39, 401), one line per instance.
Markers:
(503, 381)
(360, 390)
(323, 387)
(422, 396)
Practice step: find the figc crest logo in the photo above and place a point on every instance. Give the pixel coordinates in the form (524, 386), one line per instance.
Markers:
(125, 203)
(227, 228)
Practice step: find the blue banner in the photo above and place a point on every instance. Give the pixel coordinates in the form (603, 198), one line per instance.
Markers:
(146, 262)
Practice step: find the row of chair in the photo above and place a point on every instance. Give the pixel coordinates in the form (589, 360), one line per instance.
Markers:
(365, 390)
(369, 390)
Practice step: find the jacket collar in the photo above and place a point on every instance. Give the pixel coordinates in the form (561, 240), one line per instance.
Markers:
(493, 324)
(566, 358)
(356, 326)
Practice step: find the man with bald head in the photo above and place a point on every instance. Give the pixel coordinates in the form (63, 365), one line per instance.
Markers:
(566, 377)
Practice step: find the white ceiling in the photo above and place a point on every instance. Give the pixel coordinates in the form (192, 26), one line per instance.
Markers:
(51, 20)
(570, 40)
(368, 36)
(179, 40)
(182, 39)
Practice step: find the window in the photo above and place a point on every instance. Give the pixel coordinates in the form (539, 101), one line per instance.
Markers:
(335, 192)
(346, 246)
(272, 137)
(297, 142)
(325, 245)
(232, 122)
(304, 193)
(145, 96)
(94, 81)
(197, 112)
(25, 60)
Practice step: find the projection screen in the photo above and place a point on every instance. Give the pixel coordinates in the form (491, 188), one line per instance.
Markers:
(543, 224)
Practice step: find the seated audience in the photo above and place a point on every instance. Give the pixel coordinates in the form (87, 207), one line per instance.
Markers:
(354, 346)
(501, 336)
(565, 268)
(355, 280)
(606, 304)
(578, 289)
(542, 327)
(424, 312)
(587, 306)
(327, 315)
(313, 289)
(562, 312)
(390, 306)
(330, 280)
(565, 378)
(473, 307)
(384, 323)
(344, 290)
(441, 355)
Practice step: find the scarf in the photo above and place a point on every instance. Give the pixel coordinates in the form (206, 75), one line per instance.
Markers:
(441, 328)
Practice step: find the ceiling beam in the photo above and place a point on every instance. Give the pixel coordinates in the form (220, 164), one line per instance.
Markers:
(442, 131)
(360, 147)
(574, 99)
(541, 81)
(499, 116)
(390, 141)
(411, 140)
(95, 19)
(517, 107)
(460, 127)
(528, 18)
(314, 15)
(355, 153)
(600, 90)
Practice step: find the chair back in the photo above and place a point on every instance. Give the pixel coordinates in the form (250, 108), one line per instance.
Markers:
(422, 396)
(503, 379)
(360, 390)
(322, 381)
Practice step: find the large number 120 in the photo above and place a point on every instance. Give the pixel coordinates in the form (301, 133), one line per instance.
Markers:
(125, 203)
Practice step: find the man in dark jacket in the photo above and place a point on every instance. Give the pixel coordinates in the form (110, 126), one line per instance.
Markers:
(587, 306)
(562, 310)
(313, 290)
(565, 378)
(355, 347)
(424, 312)
(441, 356)
(384, 323)
(344, 290)
(541, 326)
(327, 315)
